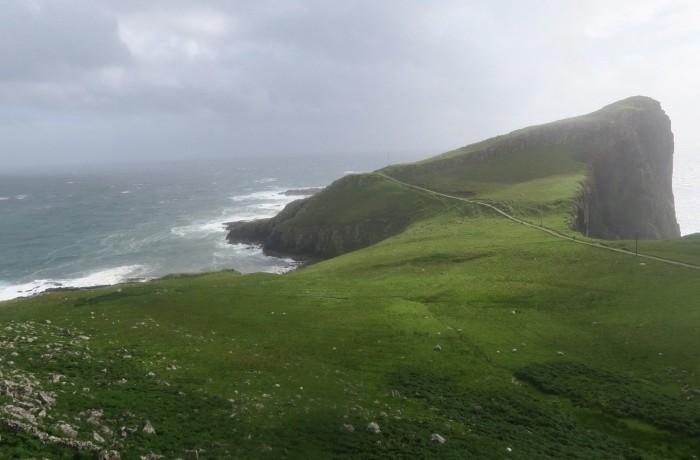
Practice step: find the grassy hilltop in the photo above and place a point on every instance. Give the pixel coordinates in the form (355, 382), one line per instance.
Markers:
(506, 341)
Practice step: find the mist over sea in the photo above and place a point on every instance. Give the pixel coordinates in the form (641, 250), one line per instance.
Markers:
(686, 189)
(105, 225)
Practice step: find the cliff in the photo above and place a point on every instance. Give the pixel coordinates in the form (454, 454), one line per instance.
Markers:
(613, 167)
(628, 191)
(625, 151)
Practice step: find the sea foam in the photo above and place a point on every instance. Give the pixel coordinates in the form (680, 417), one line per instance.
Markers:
(105, 277)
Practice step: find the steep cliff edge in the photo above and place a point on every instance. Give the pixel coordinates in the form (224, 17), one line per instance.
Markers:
(613, 167)
(624, 150)
(629, 191)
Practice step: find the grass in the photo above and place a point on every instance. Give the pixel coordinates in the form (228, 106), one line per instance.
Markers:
(506, 341)
(266, 365)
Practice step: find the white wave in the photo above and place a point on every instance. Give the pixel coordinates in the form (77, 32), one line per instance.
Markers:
(199, 230)
(4, 198)
(125, 192)
(21, 197)
(268, 205)
(243, 215)
(265, 264)
(100, 278)
(260, 205)
(290, 265)
(274, 206)
(268, 195)
(267, 180)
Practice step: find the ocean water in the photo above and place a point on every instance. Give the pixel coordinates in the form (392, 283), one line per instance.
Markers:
(686, 189)
(90, 227)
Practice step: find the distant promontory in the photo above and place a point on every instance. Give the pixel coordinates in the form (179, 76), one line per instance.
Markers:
(612, 168)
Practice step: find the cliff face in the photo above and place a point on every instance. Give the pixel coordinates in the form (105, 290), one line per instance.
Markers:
(629, 191)
(626, 149)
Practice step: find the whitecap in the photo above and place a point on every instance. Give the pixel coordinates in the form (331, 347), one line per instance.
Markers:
(267, 180)
(266, 264)
(240, 248)
(4, 198)
(199, 229)
(124, 192)
(21, 197)
(269, 195)
(105, 277)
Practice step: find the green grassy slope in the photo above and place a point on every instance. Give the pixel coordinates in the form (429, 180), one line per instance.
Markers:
(355, 211)
(548, 348)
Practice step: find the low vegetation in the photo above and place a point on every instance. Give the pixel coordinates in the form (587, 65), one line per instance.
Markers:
(462, 335)
(505, 341)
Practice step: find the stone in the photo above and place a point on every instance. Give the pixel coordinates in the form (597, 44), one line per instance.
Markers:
(437, 348)
(347, 429)
(437, 439)
(45, 399)
(20, 414)
(151, 456)
(373, 427)
(148, 428)
(68, 430)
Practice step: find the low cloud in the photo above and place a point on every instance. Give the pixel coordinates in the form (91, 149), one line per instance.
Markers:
(121, 80)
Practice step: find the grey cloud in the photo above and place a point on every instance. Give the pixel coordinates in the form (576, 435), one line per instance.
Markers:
(121, 78)
(48, 40)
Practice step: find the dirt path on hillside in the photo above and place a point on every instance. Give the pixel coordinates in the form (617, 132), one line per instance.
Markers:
(542, 229)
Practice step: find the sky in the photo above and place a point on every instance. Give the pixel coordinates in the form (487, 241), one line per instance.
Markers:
(96, 81)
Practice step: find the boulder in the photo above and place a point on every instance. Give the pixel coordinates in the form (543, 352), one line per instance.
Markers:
(373, 427)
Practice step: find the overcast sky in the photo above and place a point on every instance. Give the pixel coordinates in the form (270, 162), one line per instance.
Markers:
(110, 80)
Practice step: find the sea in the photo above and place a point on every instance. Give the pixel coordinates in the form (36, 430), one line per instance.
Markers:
(102, 225)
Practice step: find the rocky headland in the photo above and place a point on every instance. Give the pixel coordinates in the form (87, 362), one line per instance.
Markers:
(625, 149)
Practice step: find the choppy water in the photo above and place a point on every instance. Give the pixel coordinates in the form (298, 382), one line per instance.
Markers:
(105, 226)
(108, 225)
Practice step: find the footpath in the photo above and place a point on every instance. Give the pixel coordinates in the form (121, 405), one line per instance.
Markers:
(542, 229)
